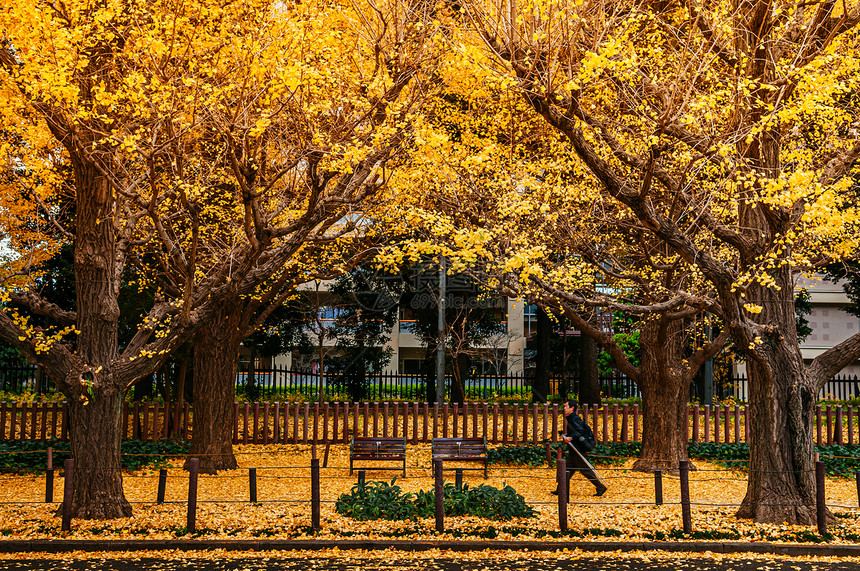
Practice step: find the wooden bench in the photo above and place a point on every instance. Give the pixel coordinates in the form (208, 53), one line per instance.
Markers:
(378, 450)
(461, 450)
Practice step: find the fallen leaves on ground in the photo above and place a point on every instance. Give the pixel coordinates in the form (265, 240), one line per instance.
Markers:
(626, 512)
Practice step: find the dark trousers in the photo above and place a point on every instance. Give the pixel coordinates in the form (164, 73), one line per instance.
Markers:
(576, 464)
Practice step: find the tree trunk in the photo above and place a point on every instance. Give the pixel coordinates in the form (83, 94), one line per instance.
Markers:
(95, 431)
(540, 385)
(589, 381)
(460, 371)
(781, 485)
(665, 386)
(216, 356)
(95, 416)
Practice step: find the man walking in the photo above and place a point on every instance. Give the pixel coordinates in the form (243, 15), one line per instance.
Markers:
(578, 434)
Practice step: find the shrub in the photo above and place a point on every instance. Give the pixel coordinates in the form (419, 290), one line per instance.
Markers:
(29, 455)
(382, 500)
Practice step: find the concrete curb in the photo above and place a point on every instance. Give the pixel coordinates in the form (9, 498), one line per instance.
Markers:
(66, 545)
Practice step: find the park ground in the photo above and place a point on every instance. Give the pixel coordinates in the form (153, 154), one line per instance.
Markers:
(625, 513)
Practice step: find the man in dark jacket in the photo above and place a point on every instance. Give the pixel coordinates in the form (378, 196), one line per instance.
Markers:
(577, 433)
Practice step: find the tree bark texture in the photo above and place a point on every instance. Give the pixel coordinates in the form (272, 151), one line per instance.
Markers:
(96, 435)
(216, 356)
(781, 485)
(665, 386)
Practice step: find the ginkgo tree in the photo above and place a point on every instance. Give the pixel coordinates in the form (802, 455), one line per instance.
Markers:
(533, 228)
(724, 135)
(205, 144)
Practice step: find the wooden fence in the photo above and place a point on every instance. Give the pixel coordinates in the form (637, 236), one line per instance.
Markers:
(282, 422)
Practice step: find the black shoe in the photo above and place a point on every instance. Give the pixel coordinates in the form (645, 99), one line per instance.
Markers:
(554, 492)
(600, 490)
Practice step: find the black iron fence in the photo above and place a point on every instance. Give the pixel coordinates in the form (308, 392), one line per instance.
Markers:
(337, 385)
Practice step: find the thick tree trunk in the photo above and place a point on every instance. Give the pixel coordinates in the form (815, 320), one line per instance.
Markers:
(589, 381)
(95, 422)
(540, 385)
(216, 356)
(95, 429)
(781, 485)
(665, 387)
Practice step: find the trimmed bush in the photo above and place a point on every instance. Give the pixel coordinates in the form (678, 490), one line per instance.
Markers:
(383, 500)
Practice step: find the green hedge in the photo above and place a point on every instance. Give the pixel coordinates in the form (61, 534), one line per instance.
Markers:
(383, 500)
(25, 456)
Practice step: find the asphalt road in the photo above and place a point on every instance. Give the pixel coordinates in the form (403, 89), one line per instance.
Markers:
(347, 564)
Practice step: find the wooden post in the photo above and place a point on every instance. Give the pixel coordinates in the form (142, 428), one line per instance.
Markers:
(495, 423)
(727, 430)
(561, 477)
(716, 424)
(624, 425)
(55, 414)
(684, 470)
(820, 506)
(266, 423)
(252, 485)
(829, 424)
(68, 490)
(445, 421)
(458, 479)
(49, 478)
(193, 473)
(604, 437)
(658, 487)
(305, 415)
(818, 424)
(838, 430)
(456, 419)
(635, 423)
(3, 420)
(315, 490)
(162, 486)
(614, 422)
(554, 434)
(484, 421)
(245, 424)
(375, 419)
(505, 423)
(545, 419)
(707, 423)
(440, 496)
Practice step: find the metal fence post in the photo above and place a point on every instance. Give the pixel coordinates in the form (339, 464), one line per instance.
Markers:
(440, 496)
(315, 493)
(49, 478)
(561, 476)
(684, 469)
(68, 490)
(658, 487)
(252, 485)
(162, 486)
(820, 505)
(193, 473)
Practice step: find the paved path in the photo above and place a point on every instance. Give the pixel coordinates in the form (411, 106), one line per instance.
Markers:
(400, 564)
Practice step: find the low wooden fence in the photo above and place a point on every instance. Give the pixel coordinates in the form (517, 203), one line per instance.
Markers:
(282, 422)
